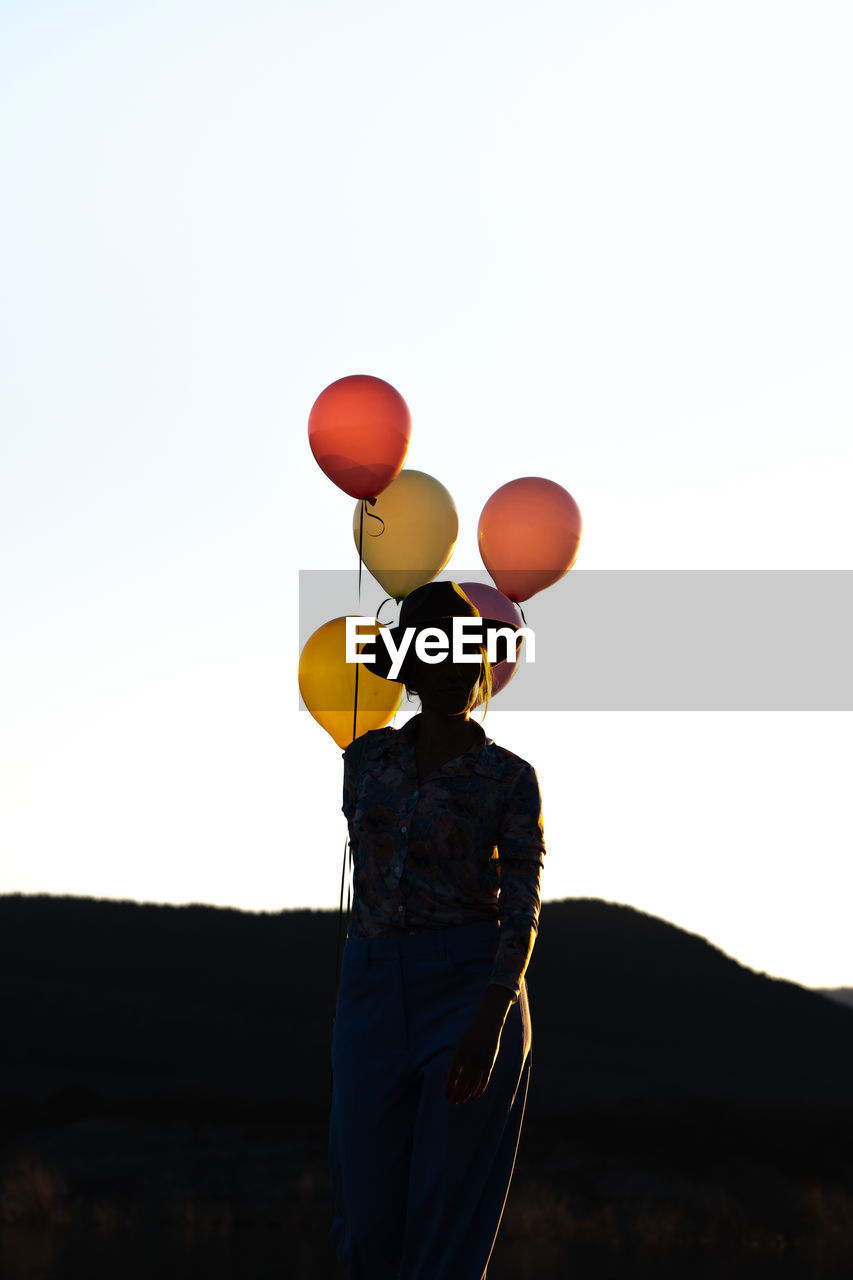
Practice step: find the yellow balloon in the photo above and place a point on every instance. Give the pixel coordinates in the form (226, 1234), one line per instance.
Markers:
(416, 541)
(327, 684)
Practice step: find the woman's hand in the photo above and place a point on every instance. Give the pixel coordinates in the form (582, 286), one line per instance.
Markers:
(472, 1061)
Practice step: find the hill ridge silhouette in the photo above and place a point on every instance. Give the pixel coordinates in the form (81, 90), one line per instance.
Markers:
(124, 998)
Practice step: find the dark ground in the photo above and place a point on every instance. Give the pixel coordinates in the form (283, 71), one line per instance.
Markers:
(159, 1113)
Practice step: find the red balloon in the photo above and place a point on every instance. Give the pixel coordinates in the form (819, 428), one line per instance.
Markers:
(359, 431)
(529, 533)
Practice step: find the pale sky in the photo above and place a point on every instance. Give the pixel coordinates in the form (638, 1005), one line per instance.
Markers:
(609, 245)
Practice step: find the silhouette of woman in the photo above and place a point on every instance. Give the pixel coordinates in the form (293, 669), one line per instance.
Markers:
(432, 1045)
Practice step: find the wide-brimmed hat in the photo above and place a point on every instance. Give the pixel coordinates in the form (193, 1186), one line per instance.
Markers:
(424, 607)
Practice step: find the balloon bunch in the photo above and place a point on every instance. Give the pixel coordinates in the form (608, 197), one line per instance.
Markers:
(528, 535)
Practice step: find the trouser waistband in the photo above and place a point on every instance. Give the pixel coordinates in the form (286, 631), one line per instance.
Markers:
(442, 944)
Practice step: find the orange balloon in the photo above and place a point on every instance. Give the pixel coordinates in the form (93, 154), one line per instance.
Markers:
(359, 431)
(529, 533)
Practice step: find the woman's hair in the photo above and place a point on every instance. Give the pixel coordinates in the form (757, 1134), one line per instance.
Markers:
(482, 689)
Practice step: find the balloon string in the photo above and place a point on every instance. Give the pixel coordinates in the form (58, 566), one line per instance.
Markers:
(338, 968)
(379, 518)
(347, 842)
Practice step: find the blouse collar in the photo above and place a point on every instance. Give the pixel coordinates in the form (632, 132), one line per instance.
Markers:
(401, 743)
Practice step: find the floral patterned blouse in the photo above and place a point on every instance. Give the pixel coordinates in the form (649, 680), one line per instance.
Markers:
(466, 844)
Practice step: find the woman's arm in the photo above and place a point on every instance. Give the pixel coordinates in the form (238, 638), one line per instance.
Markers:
(496, 1004)
(352, 764)
(521, 852)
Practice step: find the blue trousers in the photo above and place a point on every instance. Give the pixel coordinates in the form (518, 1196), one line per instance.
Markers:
(419, 1184)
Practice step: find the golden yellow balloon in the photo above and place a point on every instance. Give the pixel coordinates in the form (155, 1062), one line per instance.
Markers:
(327, 684)
(418, 534)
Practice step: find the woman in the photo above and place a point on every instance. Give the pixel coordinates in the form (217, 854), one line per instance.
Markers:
(431, 1053)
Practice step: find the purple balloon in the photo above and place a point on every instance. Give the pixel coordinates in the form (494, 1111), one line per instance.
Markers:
(491, 603)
